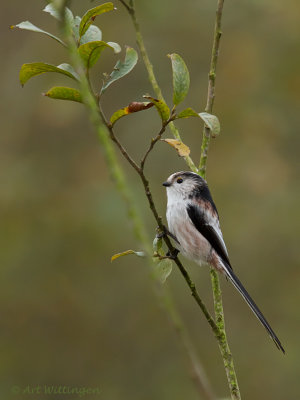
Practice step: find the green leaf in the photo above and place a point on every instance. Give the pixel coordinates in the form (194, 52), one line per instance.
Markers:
(118, 114)
(52, 10)
(181, 78)
(122, 68)
(33, 69)
(126, 253)
(163, 269)
(188, 112)
(64, 93)
(212, 122)
(182, 149)
(90, 15)
(90, 52)
(161, 107)
(131, 108)
(30, 27)
(93, 34)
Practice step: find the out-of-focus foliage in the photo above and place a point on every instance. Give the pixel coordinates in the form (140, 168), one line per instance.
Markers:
(69, 316)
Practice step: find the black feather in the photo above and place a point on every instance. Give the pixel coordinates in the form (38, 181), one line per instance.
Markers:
(197, 215)
(202, 192)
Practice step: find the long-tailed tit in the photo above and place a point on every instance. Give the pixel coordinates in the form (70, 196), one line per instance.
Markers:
(193, 219)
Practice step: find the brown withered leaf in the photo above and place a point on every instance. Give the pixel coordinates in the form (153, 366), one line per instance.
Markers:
(182, 149)
(136, 106)
(133, 107)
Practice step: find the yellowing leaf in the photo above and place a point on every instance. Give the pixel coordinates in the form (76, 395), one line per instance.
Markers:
(133, 107)
(161, 107)
(33, 69)
(182, 149)
(90, 15)
(64, 93)
(90, 52)
(126, 253)
(187, 113)
(118, 114)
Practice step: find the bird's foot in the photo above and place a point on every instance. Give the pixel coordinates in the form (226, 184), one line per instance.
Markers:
(165, 232)
(172, 255)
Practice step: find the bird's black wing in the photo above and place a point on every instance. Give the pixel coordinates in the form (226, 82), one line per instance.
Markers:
(208, 225)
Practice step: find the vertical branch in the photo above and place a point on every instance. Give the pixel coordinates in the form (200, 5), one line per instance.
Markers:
(217, 294)
(211, 87)
(117, 174)
(222, 340)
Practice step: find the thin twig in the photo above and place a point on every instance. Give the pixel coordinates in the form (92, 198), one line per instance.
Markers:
(154, 141)
(162, 227)
(151, 76)
(217, 294)
(211, 87)
(223, 344)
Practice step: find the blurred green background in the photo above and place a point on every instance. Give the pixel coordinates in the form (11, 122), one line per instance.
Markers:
(69, 316)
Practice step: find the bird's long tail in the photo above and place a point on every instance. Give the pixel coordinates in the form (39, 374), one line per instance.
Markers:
(237, 283)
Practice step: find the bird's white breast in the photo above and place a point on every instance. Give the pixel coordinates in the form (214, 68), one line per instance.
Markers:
(192, 244)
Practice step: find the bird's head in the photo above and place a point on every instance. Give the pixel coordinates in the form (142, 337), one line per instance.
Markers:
(184, 184)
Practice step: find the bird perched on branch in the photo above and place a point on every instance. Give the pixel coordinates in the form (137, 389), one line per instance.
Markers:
(194, 221)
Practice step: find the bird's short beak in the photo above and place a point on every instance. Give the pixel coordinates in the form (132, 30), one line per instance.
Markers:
(166, 184)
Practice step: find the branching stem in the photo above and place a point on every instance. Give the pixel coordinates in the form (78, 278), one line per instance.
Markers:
(145, 182)
(155, 140)
(221, 333)
(217, 294)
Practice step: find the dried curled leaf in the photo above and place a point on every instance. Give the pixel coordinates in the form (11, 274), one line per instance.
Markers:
(133, 107)
(126, 253)
(137, 106)
(182, 149)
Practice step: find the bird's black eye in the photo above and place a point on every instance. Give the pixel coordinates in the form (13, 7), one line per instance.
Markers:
(179, 180)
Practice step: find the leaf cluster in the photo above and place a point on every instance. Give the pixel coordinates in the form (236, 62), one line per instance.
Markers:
(89, 43)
